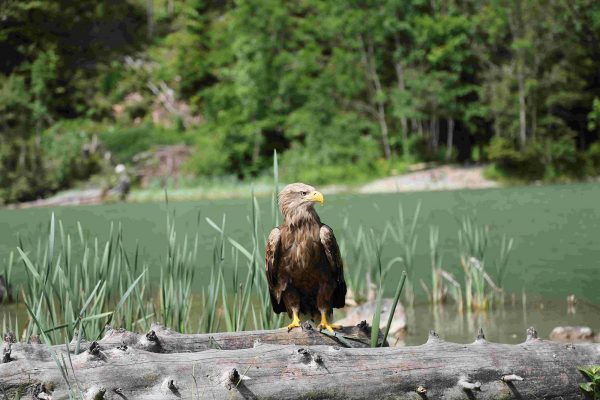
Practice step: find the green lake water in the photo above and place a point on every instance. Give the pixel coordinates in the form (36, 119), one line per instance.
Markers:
(556, 230)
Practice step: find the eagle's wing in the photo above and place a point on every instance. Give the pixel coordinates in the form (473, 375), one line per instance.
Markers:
(335, 263)
(272, 257)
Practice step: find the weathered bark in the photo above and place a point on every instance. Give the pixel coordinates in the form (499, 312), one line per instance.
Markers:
(436, 370)
(365, 312)
(161, 340)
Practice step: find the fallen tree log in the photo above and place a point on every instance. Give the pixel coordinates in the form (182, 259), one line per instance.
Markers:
(435, 370)
(161, 340)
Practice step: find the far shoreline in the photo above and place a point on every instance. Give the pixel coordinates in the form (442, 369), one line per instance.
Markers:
(422, 178)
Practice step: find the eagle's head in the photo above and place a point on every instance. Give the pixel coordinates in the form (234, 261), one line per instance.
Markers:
(298, 198)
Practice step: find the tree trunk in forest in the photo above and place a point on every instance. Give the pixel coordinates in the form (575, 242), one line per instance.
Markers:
(495, 114)
(522, 109)
(450, 138)
(403, 119)
(256, 147)
(533, 120)
(434, 133)
(376, 93)
(149, 18)
(384, 131)
(435, 370)
(517, 31)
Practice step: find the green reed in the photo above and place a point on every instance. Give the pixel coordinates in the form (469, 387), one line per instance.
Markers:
(68, 294)
(443, 284)
(403, 232)
(7, 275)
(248, 295)
(76, 283)
(176, 280)
(481, 290)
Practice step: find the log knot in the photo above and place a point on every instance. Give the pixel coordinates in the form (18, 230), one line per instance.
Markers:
(511, 378)
(122, 347)
(531, 334)
(433, 337)
(35, 339)
(306, 326)
(6, 356)
(95, 393)
(362, 325)
(94, 348)
(10, 337)
(467, 385)
(100, 394)
(171, 385)
(234, 376)
(480, 338)
(39, 392)
(151, 336)
(305, 355)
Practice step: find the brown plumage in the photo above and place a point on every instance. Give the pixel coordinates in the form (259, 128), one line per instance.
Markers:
(303, 263)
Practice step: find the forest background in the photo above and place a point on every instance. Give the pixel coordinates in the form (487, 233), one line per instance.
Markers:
(344, 91)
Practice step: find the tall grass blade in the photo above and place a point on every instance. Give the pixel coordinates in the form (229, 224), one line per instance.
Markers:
(50, 249)
(376, 318)
(394, 304)
(29, 264)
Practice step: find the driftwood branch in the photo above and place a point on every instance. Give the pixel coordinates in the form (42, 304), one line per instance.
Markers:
(435, 370)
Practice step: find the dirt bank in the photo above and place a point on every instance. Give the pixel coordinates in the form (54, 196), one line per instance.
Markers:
(447, 177)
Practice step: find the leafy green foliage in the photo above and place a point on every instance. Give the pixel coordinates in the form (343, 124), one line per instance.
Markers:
(72, 152)
(591, 388)
(125, 142)
(344, 91)
(544, 159)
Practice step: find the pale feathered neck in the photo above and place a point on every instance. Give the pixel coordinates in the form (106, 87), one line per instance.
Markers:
(300, 216)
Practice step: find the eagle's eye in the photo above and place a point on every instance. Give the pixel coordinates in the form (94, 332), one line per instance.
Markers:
(303, 193)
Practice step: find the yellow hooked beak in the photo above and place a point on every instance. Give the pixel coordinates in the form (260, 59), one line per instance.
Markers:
(315, 196)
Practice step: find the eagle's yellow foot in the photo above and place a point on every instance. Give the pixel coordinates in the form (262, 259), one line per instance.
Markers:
(295, 321)
(326, 325)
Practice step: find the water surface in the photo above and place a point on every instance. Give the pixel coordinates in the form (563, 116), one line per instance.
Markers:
(556, 253)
